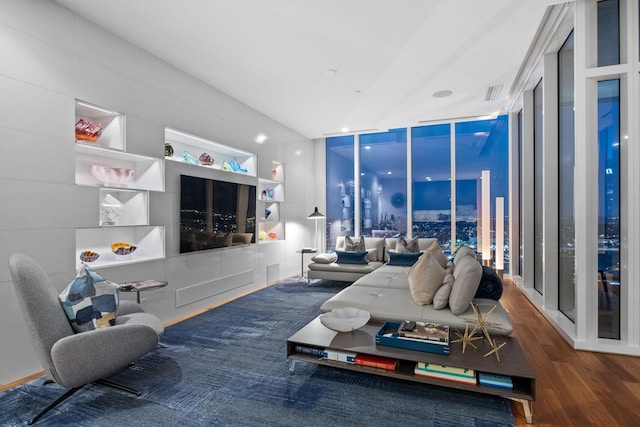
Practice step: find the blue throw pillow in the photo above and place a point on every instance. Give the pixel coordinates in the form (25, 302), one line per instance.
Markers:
(403, 259)
(352, 257)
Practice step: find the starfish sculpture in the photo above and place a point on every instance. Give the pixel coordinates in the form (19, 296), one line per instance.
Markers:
(480, 324)
(495, 348)
(467, 338)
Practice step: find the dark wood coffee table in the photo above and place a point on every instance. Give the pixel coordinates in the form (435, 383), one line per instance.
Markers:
(512, 362)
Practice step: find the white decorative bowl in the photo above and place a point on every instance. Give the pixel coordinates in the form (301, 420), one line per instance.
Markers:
(112, 175)
(345, 319)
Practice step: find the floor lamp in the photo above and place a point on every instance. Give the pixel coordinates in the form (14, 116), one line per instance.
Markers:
(316, 216)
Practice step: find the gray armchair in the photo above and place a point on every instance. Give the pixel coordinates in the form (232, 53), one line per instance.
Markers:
(76, 359)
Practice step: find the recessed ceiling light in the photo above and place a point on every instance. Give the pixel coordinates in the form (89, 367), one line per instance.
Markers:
(260, 138)
(298, 152)
(389, 173)
(345, 129)
(442, 94)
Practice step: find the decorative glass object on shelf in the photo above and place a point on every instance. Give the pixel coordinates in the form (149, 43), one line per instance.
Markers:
(112, 209)
(87, 131)
(113, 176)
(122, 248)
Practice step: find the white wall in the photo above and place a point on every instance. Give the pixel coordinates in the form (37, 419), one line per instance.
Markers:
(50, 57)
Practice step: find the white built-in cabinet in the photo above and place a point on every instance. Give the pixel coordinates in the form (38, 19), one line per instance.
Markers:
(122, 183)
(270, 196)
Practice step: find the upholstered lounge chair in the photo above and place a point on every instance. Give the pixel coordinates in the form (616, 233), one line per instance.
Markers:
(76, 359)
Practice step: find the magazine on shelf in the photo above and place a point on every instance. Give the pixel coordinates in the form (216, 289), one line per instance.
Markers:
(144, 284)
(434, 332)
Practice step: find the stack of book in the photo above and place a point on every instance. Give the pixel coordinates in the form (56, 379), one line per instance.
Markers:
(443, 372)
(493, 380)
(376, 362)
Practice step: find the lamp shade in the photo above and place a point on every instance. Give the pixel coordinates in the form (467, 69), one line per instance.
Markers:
(315, 214)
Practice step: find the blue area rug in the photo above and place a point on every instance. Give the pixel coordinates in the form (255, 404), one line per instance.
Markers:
(228, 367)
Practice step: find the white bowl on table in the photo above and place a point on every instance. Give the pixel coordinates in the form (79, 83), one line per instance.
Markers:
(345, 319)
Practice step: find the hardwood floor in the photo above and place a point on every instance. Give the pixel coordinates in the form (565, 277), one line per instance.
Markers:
(573, 388)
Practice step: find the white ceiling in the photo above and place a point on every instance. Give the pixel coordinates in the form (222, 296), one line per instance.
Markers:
(390, 57)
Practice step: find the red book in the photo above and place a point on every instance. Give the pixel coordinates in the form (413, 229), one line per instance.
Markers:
(376, 362)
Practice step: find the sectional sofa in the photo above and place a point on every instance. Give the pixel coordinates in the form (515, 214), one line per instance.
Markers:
(395, 292)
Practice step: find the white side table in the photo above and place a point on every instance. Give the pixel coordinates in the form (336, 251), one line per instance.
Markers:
(302, 252)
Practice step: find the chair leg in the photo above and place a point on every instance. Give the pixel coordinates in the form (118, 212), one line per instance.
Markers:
(119, 386)
(53, 404)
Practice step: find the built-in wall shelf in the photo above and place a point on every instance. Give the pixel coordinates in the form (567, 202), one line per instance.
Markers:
(270, 195)
(122, 182)
(148, 240)
(102, 167)
(123, 207)
(185, 148)
(111, 123)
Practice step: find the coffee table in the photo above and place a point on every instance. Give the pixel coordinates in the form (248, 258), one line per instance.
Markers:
(512, 362)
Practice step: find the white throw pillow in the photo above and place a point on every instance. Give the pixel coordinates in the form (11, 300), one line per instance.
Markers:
(425, 277)
(437, 253)
(467, 273)
(441, 298)
(326, 258)
(462, 252)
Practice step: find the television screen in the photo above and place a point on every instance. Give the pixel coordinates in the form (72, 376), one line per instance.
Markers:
(215, 214)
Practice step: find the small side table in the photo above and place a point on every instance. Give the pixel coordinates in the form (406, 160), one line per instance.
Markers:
(302, 252)
(144, 285)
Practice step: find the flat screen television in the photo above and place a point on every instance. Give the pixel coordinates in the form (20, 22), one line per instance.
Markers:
(215, 214)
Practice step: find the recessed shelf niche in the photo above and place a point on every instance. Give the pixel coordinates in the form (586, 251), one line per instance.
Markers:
(224, 158)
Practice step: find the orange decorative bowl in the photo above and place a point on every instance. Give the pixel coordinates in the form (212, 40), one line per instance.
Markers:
(122, 248)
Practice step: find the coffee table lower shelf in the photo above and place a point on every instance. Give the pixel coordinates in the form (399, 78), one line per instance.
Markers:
(513, 363)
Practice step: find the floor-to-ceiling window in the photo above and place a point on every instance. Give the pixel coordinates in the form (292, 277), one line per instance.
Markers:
(566, 160)
(538, 194)
(480, 146)
(340, 188)
(383, 183)
(431, 182)
(520, 196)
(609, 209)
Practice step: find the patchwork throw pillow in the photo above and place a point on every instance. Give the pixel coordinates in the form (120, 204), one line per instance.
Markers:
(441, 298)
(404, 246)
(89, 301)
(425, 278)
(352, 257)
(403, 259)
(351, 245)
